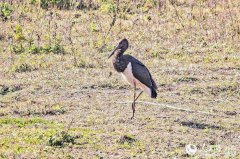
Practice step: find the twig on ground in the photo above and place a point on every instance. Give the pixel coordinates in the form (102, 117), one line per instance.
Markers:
(175, 108)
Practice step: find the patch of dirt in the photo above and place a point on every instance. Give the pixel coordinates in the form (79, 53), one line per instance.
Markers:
(231, 113)
(9, 89)
(127, 138)
(196, 125)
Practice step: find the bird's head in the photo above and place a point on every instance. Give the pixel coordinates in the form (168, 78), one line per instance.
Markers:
(120, 49)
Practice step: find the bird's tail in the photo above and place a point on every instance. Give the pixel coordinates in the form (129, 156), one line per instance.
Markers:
(153, 93)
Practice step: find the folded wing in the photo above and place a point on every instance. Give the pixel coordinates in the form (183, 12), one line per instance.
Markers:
(142, 74)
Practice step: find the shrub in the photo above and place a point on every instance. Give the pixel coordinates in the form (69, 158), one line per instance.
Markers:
(17, 48)
(23, 68)
(108, 7)
(32, 1)
(61, 139)
(57, 48)
(60, 4)
(5, 11)
(24, 45)
(19, 39)
(94, 27)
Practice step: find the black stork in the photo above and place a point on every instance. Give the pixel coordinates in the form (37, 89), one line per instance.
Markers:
(134, 71)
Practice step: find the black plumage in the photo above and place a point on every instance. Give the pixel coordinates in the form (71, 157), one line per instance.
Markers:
(135, 71)
(120, 63)
(141, 72)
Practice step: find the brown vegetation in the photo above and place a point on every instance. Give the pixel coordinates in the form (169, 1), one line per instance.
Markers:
(60, 99)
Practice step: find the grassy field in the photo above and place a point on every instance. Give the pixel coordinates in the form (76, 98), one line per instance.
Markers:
(61, 98)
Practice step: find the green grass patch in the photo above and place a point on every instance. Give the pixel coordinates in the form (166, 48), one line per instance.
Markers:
(23, 122)
(86, 137)
(28, 135)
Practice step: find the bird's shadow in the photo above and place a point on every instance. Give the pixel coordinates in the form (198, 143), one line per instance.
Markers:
(196, 125)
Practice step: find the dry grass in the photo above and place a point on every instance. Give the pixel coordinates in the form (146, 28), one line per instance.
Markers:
(54, 68)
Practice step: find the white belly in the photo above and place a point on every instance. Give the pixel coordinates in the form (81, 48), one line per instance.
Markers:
(128, 76)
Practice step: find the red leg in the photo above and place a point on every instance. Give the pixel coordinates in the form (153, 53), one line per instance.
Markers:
(133, 104)
(134, 100)
(138, 96)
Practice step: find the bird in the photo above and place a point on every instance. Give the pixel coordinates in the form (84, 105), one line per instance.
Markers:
(133, 71)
